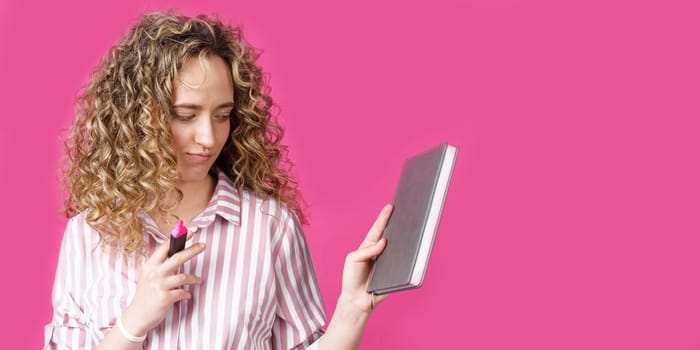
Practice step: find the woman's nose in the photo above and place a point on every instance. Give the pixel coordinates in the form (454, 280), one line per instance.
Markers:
(204, 132)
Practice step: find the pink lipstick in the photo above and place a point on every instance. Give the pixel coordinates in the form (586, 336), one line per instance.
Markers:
(178, 237)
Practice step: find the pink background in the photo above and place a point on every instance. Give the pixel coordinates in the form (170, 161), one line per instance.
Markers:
(573, 218)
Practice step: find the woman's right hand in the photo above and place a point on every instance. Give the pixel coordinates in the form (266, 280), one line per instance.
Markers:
(159, 287)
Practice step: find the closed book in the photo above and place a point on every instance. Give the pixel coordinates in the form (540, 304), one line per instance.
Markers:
(418, 201)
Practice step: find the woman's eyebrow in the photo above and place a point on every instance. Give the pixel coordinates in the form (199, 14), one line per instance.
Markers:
(226, 105)
(198, 107)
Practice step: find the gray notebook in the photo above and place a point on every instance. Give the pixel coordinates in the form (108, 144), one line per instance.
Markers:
(410, 232)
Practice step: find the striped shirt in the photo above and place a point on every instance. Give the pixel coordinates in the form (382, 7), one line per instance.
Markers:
(259, 288)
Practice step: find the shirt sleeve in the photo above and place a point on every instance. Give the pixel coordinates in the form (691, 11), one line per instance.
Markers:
(300, 315)
(67, 329)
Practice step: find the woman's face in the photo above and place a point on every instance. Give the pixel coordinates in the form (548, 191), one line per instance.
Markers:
(200, 117)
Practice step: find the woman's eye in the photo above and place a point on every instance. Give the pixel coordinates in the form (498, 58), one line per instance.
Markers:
(183, 117)
(222, 117)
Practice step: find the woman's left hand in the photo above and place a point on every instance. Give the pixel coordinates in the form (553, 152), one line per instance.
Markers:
(358, 265)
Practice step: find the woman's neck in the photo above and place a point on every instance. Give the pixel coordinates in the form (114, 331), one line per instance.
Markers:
(195, 198)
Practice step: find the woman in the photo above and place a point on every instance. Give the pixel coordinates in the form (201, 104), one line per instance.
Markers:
(176, 124)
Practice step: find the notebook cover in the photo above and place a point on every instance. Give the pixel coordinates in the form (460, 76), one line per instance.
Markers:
(414, 194)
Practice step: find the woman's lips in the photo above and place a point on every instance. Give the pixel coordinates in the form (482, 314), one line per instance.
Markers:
(199, 157)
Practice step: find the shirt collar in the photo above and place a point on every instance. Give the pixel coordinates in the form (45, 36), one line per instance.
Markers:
(226, 202)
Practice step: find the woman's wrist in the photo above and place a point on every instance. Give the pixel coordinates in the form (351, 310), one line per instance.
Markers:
(132, 325)
(126, 334)
(347, 324)
(352, 309)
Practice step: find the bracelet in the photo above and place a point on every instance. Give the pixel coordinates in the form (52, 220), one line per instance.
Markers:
(127, 335)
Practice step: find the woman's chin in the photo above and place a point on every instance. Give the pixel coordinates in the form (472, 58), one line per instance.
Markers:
(193, 175)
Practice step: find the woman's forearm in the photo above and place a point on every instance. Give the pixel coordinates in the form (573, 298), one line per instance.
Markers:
(345, 330)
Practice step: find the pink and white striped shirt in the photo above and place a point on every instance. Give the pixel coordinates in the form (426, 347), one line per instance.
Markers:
(259, 290)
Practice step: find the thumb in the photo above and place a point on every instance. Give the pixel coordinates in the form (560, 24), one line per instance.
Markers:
(367, 253)
(160, 254)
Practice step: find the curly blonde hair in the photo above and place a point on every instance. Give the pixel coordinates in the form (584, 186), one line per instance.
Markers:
(119, 157)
